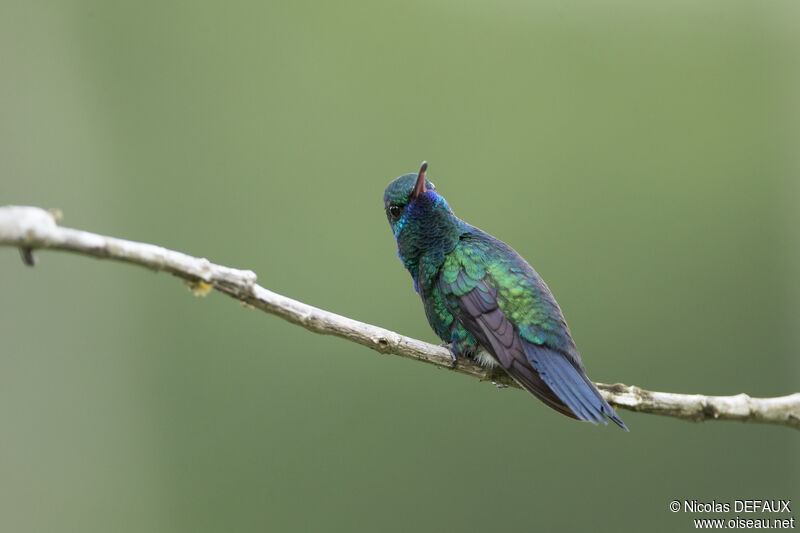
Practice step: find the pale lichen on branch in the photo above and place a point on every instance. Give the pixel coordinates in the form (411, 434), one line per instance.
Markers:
(32, 228)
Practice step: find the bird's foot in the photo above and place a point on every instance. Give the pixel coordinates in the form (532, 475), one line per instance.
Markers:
(453, 355)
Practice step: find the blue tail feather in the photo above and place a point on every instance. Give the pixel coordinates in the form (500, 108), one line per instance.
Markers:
(571, 385)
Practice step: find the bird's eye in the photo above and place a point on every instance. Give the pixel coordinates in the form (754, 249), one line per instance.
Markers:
(395, 210)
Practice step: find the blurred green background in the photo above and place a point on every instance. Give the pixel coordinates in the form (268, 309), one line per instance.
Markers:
(642, 156)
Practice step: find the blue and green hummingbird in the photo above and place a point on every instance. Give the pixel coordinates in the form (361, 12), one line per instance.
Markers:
(486, 302)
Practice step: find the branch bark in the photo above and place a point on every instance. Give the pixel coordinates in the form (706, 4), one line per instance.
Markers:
(32, 228)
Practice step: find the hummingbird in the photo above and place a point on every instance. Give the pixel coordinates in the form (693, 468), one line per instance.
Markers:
(487, 303)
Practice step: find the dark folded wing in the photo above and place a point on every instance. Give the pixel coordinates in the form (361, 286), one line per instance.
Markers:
(477, 310)
(545, 372)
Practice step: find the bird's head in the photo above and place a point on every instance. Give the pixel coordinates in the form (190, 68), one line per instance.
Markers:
(420, 218)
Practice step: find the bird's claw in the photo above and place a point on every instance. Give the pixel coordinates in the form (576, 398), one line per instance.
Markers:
(453, 356)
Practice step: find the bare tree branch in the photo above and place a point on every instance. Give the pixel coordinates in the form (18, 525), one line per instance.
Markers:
(31, 228)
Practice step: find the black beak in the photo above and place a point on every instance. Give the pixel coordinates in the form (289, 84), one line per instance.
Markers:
(419, 187)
